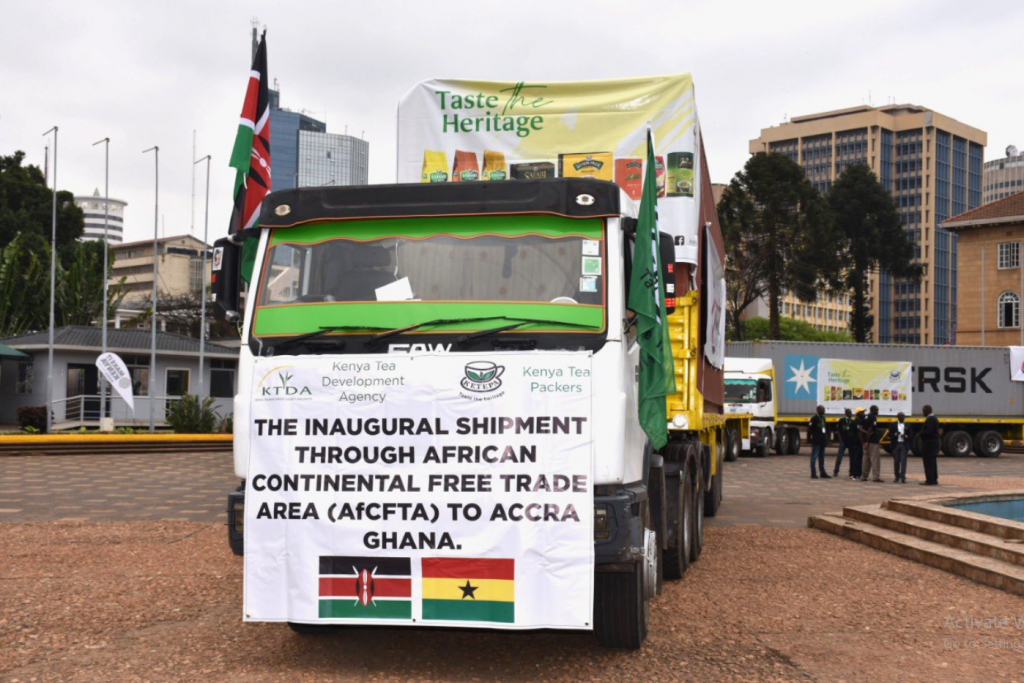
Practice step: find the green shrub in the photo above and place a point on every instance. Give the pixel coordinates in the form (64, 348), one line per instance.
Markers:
(189, 415)
(227, 424)
(32, 417)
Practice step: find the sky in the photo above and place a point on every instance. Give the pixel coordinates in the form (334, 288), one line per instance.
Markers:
(148, 74)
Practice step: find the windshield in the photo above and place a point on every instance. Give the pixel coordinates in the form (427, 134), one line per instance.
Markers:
(394, 272)
(741, 390)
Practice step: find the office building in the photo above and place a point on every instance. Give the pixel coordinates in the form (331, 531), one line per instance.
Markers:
(304, 154)
(180, 270)
(932, 165)
(1003, 177)
(991, 241)
(94, 209)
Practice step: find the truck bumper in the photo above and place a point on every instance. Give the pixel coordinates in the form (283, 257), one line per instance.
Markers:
(618, 527)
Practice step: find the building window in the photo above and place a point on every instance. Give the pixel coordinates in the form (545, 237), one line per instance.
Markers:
(1009, 255)
(24, 384)
(1009, 310)
(177, 382)
(222, 378)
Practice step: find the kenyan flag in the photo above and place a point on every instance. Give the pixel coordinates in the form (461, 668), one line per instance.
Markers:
(251, 154)
(365, 587)
(456, 589)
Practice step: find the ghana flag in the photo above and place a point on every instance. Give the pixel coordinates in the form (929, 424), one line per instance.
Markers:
(365, 587)
(457, 589)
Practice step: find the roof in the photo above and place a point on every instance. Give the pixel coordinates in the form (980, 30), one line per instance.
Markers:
(8, 352)
(82, 337)
(1006, 210)
(160, 241)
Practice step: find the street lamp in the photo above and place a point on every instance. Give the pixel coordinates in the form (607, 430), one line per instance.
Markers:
(202, 308)
(106, 237)
(152, 323)
(53, 276)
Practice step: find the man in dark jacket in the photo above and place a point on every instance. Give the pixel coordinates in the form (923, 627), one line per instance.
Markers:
(847, 432)
(930, 444)
(818, 437)
(900, 436)
(871, 433)
(857, 446)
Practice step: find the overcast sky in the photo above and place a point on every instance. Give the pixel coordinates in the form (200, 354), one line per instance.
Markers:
(147, 73)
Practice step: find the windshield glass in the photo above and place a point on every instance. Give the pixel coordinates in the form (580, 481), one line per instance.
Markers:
(395, 272)
(741, 390)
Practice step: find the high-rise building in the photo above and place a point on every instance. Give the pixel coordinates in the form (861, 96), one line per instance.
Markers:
(1004, 177)
(932, 165)
(94, 209)
(180, 270)
(304, 154)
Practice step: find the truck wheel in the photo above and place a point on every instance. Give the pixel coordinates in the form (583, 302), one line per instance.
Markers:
(732, 445)
(656, 496)
(679, 499)
(957, 443)
(988, 444)
(782, 442)
(917, 446)
(761, 450)
(697, 534)
(622, 600)
(794, 441)
(713, 498)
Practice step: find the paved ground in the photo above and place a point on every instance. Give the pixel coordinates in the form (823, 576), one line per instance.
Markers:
(776, 490)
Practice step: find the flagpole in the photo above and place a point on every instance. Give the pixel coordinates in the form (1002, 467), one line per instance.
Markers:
(106, 238)
(53, 275)
(152, 323)
(202, 314)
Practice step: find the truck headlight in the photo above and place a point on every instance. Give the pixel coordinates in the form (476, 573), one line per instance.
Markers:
(680, 421)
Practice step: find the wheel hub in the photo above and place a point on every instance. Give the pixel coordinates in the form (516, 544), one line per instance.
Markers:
(650, 563)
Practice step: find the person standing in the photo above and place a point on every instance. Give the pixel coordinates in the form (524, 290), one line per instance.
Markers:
(900, 435)
(872, 436)
(857, 447)
(817, 435)
(930, 444)
(846, 433)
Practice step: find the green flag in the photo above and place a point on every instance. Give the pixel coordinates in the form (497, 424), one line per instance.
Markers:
(647, 300)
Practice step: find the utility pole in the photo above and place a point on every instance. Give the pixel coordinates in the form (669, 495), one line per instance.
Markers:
(53, 275)
(202, 309)
(106, 238)
(156, 259)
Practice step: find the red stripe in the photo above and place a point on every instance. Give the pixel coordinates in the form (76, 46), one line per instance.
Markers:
(460, 568)
(333, 587)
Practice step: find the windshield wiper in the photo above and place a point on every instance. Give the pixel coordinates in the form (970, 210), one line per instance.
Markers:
(318, 333)
(446, 321)
(519, 323)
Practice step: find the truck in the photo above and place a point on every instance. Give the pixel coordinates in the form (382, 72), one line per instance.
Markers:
(522, 284)
(969, 389)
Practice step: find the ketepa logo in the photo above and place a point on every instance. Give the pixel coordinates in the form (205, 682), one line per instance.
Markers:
(482, 377)
(276, 384)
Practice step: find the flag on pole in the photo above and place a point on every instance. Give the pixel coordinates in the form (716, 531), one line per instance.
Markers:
(251, 154)
(647, 300)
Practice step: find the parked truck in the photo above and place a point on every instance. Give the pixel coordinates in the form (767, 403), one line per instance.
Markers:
(528, 277)
(969, 388)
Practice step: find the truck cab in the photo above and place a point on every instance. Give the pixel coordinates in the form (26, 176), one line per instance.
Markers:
(750, 388)
(472, 268)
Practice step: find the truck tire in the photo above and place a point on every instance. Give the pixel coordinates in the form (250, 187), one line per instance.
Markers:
(917, 446)
(679, 509)
(794, 441)
(713, 498)
(957, 443)
(621, 608)
(697, 533)
(732, 445)
(988, 444)
(762, 450)
(782, 442)
(656, 496)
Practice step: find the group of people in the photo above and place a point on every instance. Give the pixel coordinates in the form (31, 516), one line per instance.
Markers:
(861, 435)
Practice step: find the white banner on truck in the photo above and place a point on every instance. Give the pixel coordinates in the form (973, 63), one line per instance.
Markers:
(116, 372)
(714, 343)
(461, 130)
(1017, 363)
(856, 384)
(428, 490)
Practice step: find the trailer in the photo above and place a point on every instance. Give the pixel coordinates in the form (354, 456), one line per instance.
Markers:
(968, 388)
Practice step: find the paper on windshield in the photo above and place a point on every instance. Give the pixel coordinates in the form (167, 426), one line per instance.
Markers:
(399, 290)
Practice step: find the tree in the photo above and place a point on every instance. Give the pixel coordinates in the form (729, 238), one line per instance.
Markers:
(784, 230)
(792, 330)
(21, 306)
(182, 315)
(79, 292)
(867, 217)
(26, 206)
(745, 276)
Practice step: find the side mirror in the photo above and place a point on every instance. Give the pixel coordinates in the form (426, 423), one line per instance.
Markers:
(667, 257)
(227, 257)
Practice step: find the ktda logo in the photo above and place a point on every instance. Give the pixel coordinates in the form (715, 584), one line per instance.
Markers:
(283, 387)
(482, 376)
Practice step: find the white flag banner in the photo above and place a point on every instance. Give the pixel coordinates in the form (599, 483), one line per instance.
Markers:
(115, 372)
(1017, 363)
(421, 490)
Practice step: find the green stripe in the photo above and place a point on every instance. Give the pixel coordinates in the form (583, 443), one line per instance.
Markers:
(352, 609)
(459, 226)
(296, 319)
(469, 610)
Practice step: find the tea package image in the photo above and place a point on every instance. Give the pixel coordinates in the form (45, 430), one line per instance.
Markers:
(435, 167)
(629, 176)
(532, 170)
(680, 174)
(494, 166)
(466, 167)
(596, 165)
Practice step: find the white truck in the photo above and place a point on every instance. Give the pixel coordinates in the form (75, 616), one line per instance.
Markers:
(750, 389)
